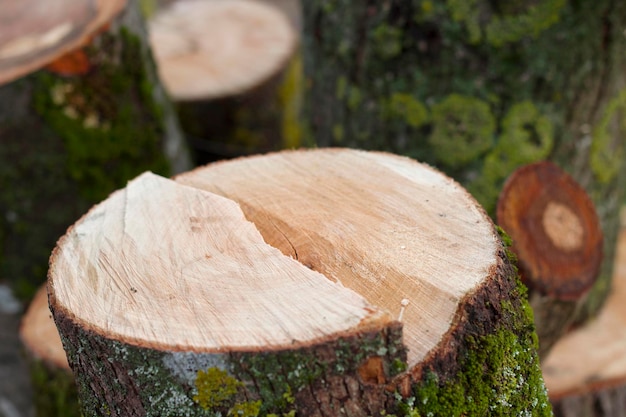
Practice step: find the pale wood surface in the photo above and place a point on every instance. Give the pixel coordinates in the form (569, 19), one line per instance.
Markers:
(35, 32)
(389, 228)
(207, 49)
(594, 356)
(163, 265)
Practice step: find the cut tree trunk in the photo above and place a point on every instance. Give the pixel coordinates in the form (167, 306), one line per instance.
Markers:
(586, 371)
(557, 239)
(53, 383)
(81, 112)
(374, 285)
(224, 64)
(477, 89)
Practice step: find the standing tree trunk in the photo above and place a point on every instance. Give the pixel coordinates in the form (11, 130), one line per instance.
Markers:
(477, 89)
(391, 294)
(81, 112)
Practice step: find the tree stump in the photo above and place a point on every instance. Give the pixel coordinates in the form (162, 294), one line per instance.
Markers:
(477, 89)
(224, 63)
(586, 370)
(317, 283)
(53, 383)
(557, 239)
(81, 112)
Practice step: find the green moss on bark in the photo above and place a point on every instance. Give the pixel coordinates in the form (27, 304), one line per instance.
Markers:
(493, 382)
(463, 128)
(111, 127)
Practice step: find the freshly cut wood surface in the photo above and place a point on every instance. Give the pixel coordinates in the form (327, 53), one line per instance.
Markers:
(163, 265)
(207, 49)
(384, 226)
(39, 334)
(352, 278)
(589, 363)
(35, 32)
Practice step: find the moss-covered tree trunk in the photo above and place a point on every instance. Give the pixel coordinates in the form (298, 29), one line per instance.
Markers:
(477, 88)
(74, 131)
(376, 287)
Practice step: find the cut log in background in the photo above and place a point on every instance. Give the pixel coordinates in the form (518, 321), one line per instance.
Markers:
(393, 293)
(586, 370)
(226, 64)
(81, 112)
(53, 383)
(477, 90)
(557, 239)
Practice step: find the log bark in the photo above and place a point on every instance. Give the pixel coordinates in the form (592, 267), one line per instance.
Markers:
(52, 380)
(477, 89)
(225, 64)
(586, 372)
(357, 284)
(81, 112)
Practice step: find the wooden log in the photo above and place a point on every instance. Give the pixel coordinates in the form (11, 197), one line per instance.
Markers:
(224, 64)
(391, 294)
(557, 240)
(477, 90)
(81, 112)
(586, 371)
(53, 383)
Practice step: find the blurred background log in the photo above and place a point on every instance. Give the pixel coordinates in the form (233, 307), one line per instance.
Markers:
(585, 372)
(53, 383)
(556, 237)
(477, 89)
(230, 67)
(81, 112)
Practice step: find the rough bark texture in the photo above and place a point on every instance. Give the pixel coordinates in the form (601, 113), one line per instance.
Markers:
(484, 364)
(117, 379)
(477, 89)
(68, 141)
